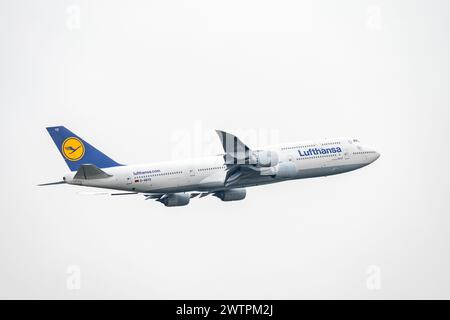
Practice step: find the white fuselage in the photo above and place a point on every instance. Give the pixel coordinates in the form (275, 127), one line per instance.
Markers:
(311, 159)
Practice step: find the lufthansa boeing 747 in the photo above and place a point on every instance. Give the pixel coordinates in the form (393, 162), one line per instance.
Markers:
(225, 176)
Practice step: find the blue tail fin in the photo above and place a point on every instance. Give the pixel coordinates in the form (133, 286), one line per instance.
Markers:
(76, 151)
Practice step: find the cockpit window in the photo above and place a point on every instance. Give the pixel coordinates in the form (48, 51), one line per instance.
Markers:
(355, 140)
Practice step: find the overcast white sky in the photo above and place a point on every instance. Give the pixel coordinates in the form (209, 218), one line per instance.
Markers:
(149, 81)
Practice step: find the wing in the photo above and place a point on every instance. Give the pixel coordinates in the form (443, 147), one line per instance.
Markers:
(236, 152)
(241, 161)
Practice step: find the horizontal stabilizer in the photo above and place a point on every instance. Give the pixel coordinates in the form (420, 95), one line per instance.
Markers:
(98, 193)
(51, 183)
(123, 193)
(104, 193)
(90, 172)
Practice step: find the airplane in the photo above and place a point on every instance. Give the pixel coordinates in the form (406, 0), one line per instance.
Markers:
(225, 176)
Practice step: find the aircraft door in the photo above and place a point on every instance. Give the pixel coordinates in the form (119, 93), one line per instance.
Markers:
(347, 150)
(191, 173)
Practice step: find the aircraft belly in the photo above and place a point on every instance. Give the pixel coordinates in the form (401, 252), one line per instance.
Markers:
(327, 170)
(212, 184)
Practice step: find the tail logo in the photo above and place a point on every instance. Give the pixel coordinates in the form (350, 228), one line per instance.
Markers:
(73, 149)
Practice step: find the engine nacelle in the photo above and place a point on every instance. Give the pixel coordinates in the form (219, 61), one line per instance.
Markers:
(266, 158)
(175, 199)
(231, 195)
(286, 170)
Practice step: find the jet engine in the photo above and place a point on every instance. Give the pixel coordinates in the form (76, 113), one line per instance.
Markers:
(175, 199)
(231, 195)
(266, 158)
(286, 170)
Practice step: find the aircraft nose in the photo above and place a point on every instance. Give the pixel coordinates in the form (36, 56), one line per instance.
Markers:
(376, 155)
